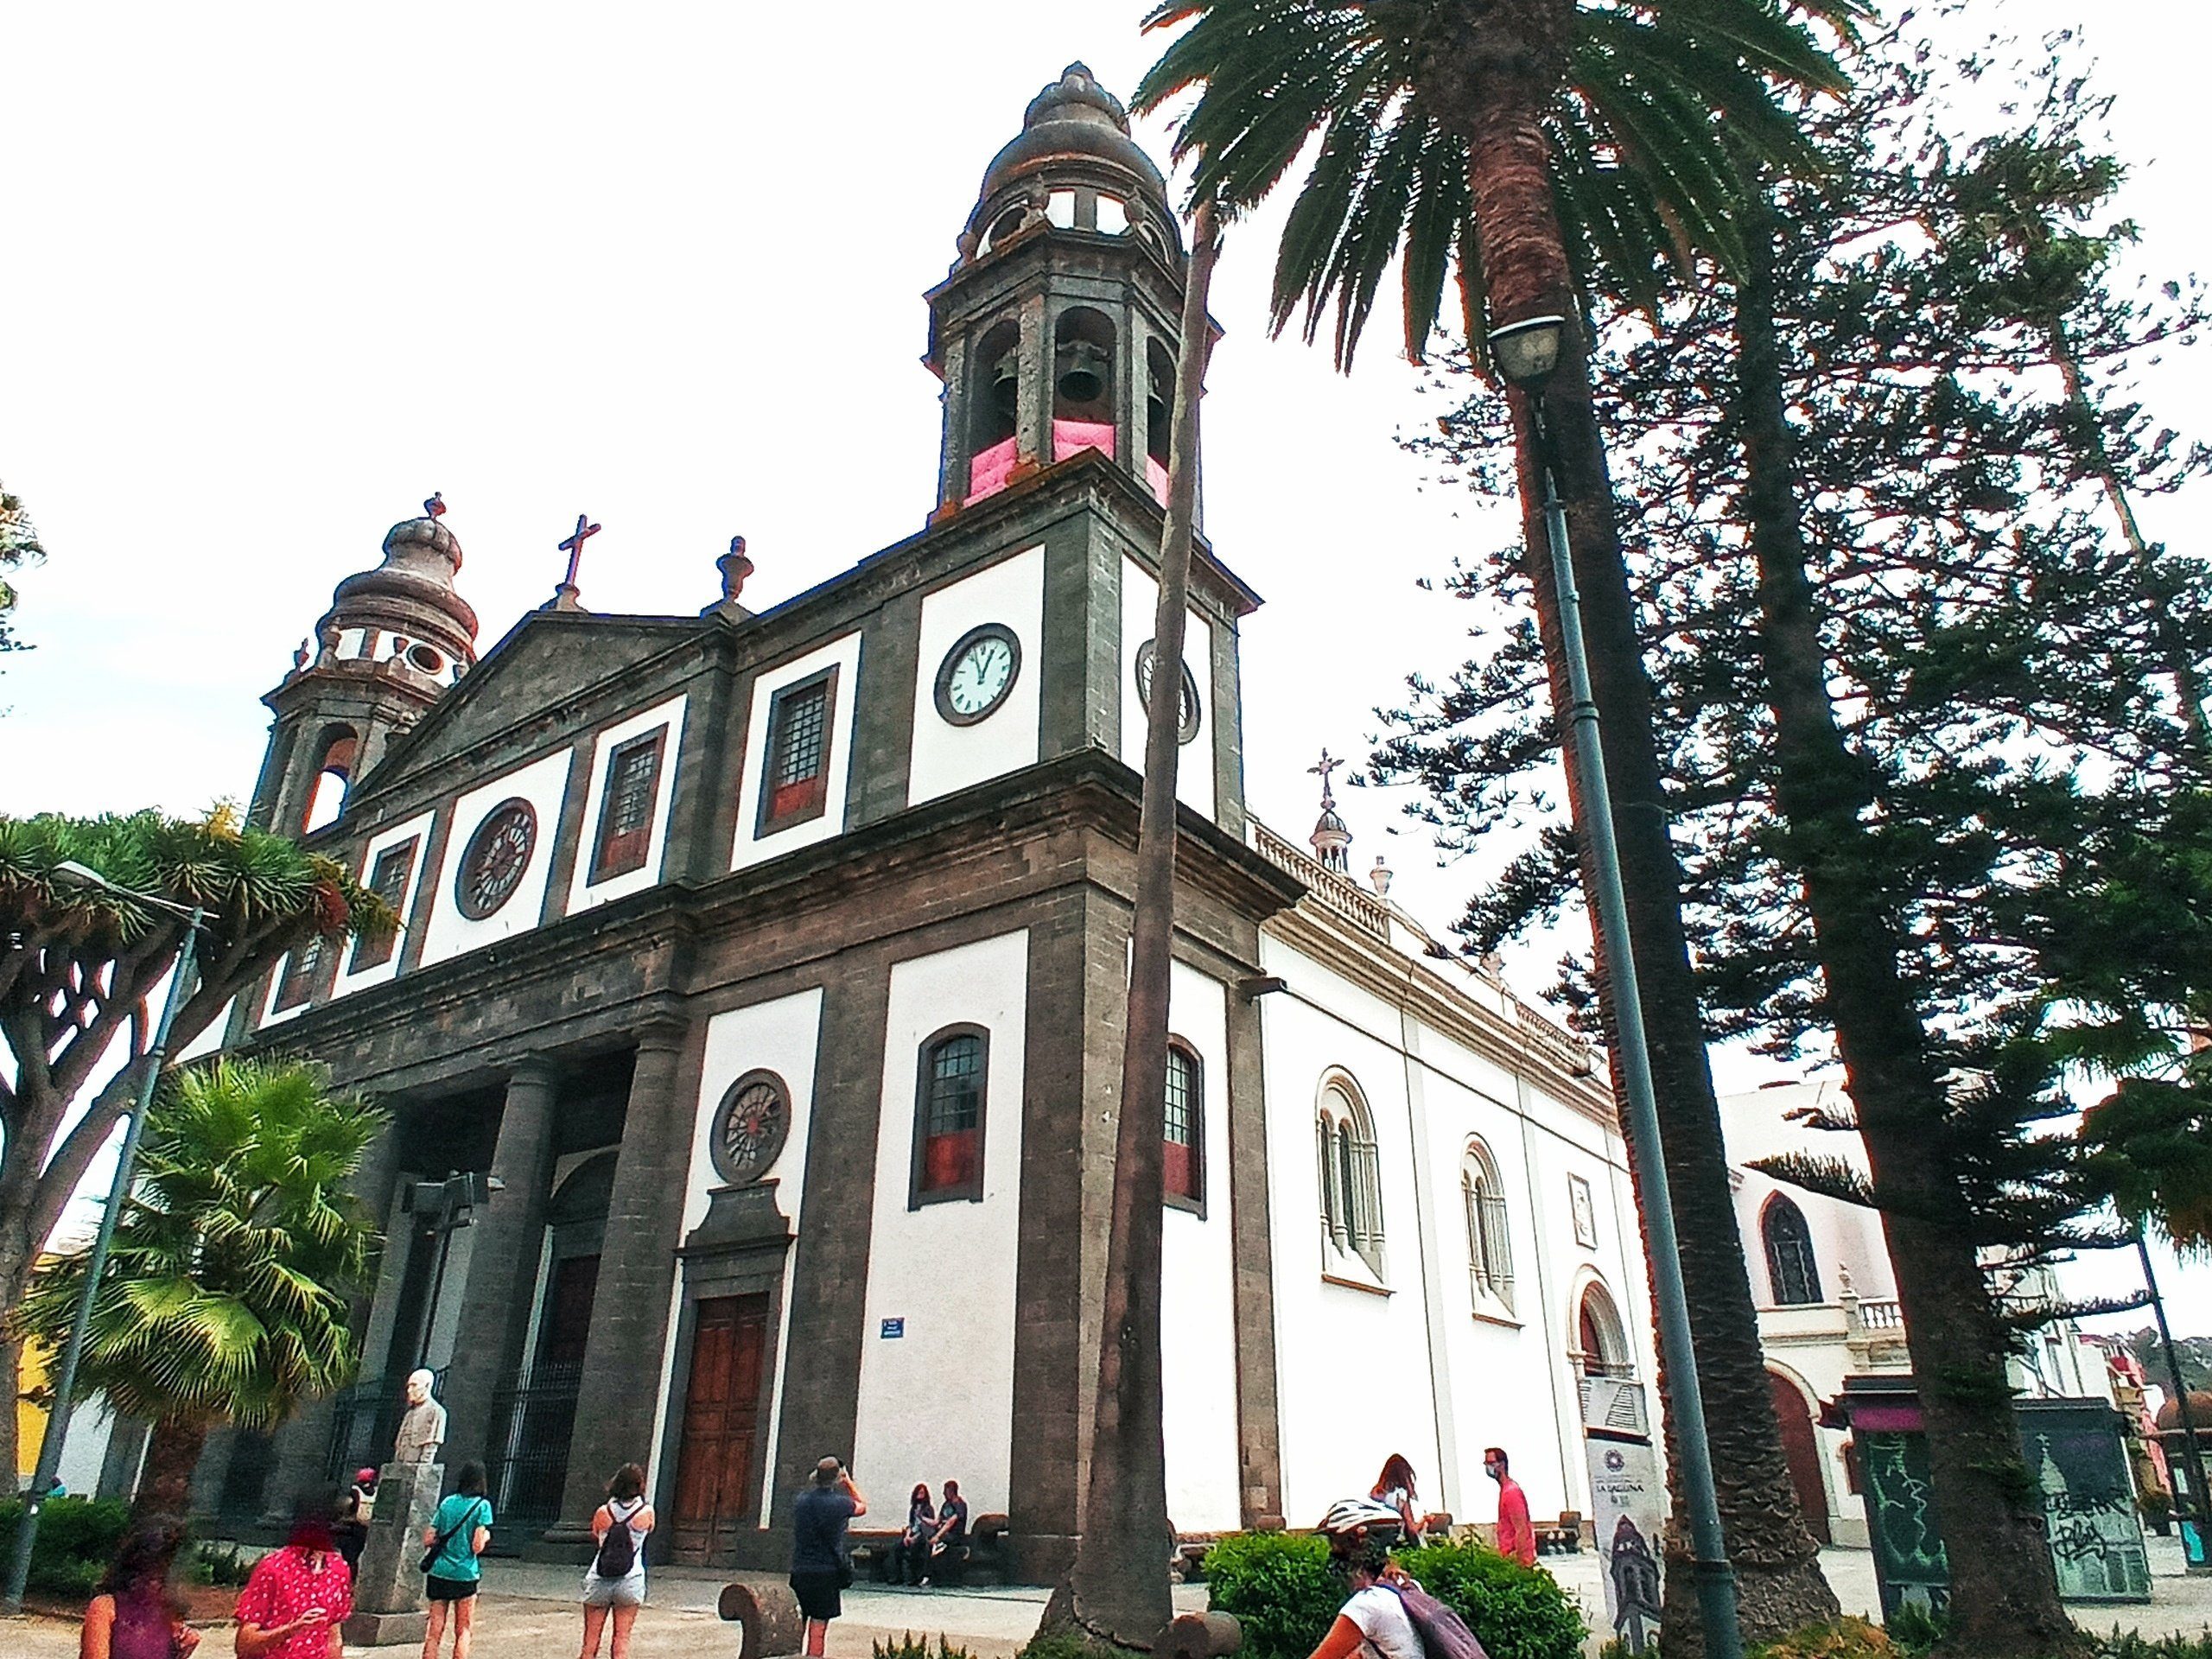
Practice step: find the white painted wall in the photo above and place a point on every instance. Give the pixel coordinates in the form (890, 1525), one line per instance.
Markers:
(418, 829)
(750, 848)
(782, 1036)
(948, 757)
(1197, 1310)
(938, 1402)
(584, 892)
(1441, 1378)
(1194, 772)
(543, 783)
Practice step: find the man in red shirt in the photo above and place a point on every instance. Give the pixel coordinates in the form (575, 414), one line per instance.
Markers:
(1515, 1537)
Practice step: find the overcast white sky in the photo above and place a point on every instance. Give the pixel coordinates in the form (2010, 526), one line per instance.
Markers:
(275, 273)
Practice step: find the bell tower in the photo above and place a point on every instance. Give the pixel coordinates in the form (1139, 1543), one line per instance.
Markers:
(1056, 330)
(393, 639)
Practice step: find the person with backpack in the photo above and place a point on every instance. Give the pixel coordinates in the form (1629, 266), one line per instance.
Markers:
(616, 1578)
(452, 1548)
(1387, 1615)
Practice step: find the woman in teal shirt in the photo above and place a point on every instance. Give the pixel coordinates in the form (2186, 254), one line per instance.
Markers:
(456, 1535)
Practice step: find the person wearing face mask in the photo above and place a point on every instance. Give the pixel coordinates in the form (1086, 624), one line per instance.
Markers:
(1516, 1539)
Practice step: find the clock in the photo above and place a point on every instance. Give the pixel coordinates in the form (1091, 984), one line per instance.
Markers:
(750, 1128)
(977, 673)
(497, 855)
(1187, 707)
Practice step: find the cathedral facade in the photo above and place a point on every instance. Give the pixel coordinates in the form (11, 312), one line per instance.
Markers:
(752, 1041)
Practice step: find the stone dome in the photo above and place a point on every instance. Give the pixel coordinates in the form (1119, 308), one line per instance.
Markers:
(411, 592)
(2200, 1412)
(1075, 135)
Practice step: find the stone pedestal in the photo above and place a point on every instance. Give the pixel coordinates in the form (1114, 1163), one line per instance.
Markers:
(388, 1590)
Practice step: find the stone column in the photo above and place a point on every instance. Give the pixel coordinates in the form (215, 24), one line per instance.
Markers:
(388, 1591)
(503, 1264)
(620, 1394)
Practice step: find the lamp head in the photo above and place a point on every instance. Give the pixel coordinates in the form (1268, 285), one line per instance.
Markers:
(80, 875)
(1526, 352)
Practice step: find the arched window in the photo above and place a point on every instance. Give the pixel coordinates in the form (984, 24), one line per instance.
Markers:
(1603, 1350)
(1351, 1189)
(1159, 417)
(1790, 1268)
(1083, 383)
(950, 1096)
(333, 776)
(1490, 1248)
(1183, 1179)
(994, 404)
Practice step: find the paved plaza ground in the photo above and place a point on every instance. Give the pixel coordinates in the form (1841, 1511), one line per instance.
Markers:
(530, 1610)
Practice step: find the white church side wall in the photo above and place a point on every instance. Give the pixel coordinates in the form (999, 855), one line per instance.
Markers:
(782, 1036)
(1197, 1293)
(543, 783)
(583, 892)
(947, 757)
(938, 1400)
(753, 844)
(1139, 601)
(1352, 1364)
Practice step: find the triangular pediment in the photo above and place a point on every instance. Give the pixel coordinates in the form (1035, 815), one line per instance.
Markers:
(551, 668)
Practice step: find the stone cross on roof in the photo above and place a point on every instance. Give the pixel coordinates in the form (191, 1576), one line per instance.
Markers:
(564, 596)
(1327, 765)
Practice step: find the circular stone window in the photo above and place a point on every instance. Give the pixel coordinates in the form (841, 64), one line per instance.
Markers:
(977, 673)
(497, 855)
(423, 657)
(750, 1127)
(1187, 708)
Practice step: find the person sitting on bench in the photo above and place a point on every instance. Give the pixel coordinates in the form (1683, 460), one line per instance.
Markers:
(910, 1556)
(949, 1543)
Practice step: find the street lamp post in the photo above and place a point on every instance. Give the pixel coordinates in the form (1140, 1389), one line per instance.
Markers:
(1526, 352)
(2200, 1560)
(65, 1378)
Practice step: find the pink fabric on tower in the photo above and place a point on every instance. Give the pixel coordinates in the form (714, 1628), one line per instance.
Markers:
(1071, 436)
(1156, 475)
(987, 473)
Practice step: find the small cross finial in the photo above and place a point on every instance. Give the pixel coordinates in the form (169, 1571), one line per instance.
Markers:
(564, 596)
(1327, 765)
(435, 508)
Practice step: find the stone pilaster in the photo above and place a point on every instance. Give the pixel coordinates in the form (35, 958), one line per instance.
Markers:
(619, 1392)
(502, 1266)
(1259, 1430)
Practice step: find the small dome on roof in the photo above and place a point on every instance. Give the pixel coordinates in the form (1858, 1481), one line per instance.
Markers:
(2200, 1413)
(411, 592)
(1075, 135)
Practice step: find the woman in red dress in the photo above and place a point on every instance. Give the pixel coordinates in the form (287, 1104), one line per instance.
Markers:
(297, 1597)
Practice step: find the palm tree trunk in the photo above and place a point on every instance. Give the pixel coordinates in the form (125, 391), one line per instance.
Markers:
(172, 1453)
(1780, 1588)
(1116, 1589)
(2004, 1591)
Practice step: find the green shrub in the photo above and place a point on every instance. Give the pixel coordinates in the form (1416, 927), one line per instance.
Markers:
(907, 1647)
(1913, 1631)
(2127, 1645)
(1066, 1643)
(76, 1538)
(220, 1564)
(1515, 1612)
(1847, 1638)
(1280, 1586)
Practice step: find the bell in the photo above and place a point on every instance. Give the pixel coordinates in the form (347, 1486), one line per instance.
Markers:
(1005, 385)
(1082, 373)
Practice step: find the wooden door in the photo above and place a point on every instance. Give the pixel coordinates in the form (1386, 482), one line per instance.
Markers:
(567, 1310)
(1802, 1447)
(715, 1473)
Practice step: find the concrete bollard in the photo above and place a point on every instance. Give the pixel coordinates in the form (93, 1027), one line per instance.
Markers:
(1199, 1636)
(767, 1614)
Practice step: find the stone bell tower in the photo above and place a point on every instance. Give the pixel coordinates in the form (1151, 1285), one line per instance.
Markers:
(393, 639)
(1056, 330)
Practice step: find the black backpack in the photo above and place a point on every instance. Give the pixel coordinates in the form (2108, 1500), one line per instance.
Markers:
(618, 1549)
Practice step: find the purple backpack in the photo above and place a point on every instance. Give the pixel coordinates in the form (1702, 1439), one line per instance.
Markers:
(1443, 1634)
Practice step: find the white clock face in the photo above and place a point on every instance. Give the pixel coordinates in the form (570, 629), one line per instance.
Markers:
(978, 672)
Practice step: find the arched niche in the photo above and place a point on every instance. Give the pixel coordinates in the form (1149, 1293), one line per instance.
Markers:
(337, 749)
(1083, 359)
(1159, 416)
(994, 406)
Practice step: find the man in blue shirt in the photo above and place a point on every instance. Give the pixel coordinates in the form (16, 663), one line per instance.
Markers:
(819, 1569)
(949, 1544)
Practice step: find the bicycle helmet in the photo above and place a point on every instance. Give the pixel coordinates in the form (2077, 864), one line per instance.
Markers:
(1360, 1532)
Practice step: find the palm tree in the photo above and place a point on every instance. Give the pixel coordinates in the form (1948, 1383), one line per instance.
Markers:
(80, 963)
(1535, 145)
(233, 1268)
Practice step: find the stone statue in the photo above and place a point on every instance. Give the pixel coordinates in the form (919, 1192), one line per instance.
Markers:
(422, 1429)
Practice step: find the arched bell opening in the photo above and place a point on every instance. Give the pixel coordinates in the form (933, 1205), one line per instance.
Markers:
(1083, 383)
(1158, 417)
(993, 404)
(333, 776)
